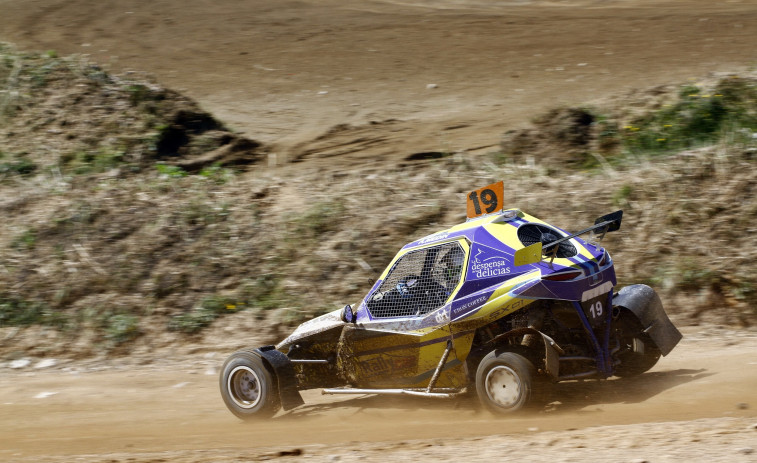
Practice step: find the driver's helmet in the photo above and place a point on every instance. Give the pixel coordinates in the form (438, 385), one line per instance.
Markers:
(452, 265)
(406, 284)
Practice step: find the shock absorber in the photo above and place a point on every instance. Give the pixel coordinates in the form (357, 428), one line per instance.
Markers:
(535, 321)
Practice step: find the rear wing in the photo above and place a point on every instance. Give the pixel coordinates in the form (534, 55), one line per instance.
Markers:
(533, 253)
(607, 223)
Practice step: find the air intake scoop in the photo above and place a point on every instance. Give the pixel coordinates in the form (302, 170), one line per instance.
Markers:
(531, 233)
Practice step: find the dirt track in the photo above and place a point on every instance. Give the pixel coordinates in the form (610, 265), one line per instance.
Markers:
(288, 72)
(174, 412)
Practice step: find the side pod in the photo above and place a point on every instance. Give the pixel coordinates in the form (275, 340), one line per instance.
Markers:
(644, 302)
(285, 376)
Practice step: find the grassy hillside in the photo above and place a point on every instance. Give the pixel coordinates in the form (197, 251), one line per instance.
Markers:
(134, 220)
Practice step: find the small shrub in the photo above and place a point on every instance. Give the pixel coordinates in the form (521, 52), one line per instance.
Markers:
(201, 317)
(697, 118)
(323, 217)
(620, 196)
(121, 328)
(97, 74)
(93, 161)
(294, 317)
(15, 312)
(21, 167)
(217, 174)
(687, 91)
(745, 291)
(264, 292)
(26, 241)
(193, 321)
(20, 312)
(170, 171)
(197, 212)
(138, 93)
(39, 75)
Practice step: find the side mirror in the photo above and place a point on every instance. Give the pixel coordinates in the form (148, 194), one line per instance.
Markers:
(348, 316)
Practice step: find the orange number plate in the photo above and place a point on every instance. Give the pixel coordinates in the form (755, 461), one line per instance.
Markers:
(486, 200)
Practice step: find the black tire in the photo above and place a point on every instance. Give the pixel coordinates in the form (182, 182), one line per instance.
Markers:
(504, 381)
(247, 386)
(633, 362)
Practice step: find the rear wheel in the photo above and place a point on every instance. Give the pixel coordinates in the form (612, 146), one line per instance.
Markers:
(504, 381)
(638, 353)
(247, 387)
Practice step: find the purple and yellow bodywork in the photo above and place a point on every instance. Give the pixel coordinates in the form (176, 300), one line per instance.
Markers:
(404, 351)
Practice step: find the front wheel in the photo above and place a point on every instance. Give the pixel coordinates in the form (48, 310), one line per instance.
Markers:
(504, 381)
(247, 387)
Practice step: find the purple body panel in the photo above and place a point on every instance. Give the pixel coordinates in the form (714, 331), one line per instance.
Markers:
(490, 264)
(571, 290)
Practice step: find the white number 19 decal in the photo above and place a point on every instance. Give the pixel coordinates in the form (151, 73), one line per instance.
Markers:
(596, 310)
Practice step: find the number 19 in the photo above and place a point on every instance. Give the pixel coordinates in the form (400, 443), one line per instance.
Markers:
(488, 197)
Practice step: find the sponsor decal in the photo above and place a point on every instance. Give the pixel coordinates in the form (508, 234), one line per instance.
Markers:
(469, 305)
(604, 288)
(385, 365)
(506, 309)
(442, 316)
(374, 366)
(434, 237)
(489, 267)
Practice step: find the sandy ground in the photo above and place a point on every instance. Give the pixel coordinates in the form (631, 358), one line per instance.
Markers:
(377, 81)
(413, 76)
(697, 404)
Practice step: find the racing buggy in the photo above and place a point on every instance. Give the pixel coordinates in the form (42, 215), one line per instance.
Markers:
(493, 305)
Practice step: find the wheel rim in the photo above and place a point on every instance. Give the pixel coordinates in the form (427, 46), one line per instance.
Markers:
(244, 387)
(503, 386)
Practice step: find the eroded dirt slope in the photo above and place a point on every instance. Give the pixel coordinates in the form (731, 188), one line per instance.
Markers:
(288, 72)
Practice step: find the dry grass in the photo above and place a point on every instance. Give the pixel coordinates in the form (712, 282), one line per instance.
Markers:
(142, 257)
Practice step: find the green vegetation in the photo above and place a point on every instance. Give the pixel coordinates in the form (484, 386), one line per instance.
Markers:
(621, 195)
(217, 174)
(92, 161)
(264, 292)
(105, 123)
(202, 316)
(138, 93)
(26, 241)
(320, 218)
(170, 171)
(697, 118)
(589, 139)
(121, 328)
(88, 252)
(21, 166)
(20, 312)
